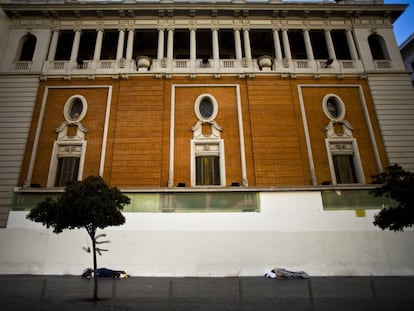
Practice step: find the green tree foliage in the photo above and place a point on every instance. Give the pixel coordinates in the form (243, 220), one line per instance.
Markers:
(89, 204)
(397, 184)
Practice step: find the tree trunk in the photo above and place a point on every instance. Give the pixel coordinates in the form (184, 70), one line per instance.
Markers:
(95, 267)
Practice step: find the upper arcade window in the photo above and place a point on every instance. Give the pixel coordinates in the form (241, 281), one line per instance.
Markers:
(377, 47)
(261, 42)
(64, 45)
(27, 47)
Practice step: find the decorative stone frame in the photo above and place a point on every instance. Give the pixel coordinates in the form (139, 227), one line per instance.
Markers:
(200, 99)
(342, 143)
(69, 146)
(339, 102)
(203, 145)
(66, 149)
(345, 146)
(69, 105)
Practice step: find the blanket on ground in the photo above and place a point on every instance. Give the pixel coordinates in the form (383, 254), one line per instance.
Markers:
(105, 273)
(281, 273)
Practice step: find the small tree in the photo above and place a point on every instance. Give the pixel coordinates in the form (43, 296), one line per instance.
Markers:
(89, 204)
(398, 185)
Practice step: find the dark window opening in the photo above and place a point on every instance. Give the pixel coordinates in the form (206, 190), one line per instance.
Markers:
(340, 43)
(297, 44)
(27, 48)
(208, 170)
(261, 42)
(226, 43)
(64, 45)
(206, 107)
(109, 44)
(87, 45)
(146, 43)
(181, 44)
(334, 107)
(344, 169)
(67, 171)
(282, 46)
(204, 44)
(76, 109)
(319, 47)
(377, 47)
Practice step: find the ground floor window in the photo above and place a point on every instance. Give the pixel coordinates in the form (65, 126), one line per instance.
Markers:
(208, 170)
(344, 169)
(67, 170)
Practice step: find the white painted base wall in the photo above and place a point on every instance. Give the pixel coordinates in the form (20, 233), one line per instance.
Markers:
(292, 231)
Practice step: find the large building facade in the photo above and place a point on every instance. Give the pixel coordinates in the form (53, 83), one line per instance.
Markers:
(245, 133)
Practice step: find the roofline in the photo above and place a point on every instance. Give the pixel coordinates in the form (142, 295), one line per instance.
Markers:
(191, 9)
(407, 42)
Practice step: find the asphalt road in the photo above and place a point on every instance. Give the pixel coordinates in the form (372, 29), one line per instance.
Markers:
(39, 292)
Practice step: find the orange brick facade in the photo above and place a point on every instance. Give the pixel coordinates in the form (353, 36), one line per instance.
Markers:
(137, 149)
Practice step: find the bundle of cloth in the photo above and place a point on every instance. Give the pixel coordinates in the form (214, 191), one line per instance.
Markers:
(105, 273)
(280, 273)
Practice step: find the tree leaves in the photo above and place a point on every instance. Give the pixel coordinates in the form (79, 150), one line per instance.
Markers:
(397, 184)
(90, 204)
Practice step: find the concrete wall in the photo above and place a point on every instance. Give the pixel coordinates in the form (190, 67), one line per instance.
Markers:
(292, 231)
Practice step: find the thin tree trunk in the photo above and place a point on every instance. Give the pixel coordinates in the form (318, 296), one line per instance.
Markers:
(95, 267)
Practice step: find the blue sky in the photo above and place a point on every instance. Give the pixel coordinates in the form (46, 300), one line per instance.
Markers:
(404, 26)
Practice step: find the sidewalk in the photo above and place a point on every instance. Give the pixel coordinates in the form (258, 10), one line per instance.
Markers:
(29, 292)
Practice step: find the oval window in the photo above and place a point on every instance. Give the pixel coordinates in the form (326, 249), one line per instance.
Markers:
(333, 107)
(206, 107)
(75, 108)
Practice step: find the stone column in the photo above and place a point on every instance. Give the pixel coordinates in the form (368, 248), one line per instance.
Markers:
(276, 43)
(351, 45)
(75, 46)
(216, 49)
(247, 48)
(286, 46)
(329, 44)
(170, 46)
(237, 44)
(130, 44)
(98, 45)
(53, 45)
(120, 48)
(160, 51)
(193, 48)
(308, 45)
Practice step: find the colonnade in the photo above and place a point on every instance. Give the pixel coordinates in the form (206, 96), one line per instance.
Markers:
(282, 48)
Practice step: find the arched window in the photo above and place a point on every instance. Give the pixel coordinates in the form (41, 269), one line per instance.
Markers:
(377, 47)
(27, 47)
